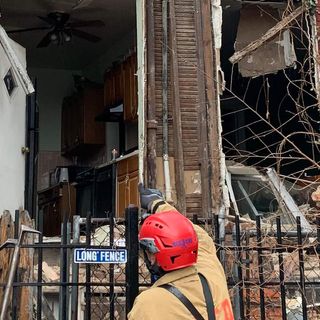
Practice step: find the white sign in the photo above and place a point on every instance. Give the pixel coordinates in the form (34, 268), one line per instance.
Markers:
(113, 256)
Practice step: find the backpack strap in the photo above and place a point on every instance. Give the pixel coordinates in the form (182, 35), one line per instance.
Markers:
(208, 297)
(187, 303)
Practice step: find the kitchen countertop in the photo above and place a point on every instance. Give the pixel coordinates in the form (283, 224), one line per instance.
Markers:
(129, 155)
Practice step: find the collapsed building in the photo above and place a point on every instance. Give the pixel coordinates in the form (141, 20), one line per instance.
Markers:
(196, 98)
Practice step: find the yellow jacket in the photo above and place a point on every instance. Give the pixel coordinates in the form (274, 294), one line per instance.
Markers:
(159, 304)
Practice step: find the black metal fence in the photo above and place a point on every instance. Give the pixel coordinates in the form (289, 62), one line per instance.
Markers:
(63, 289)
(273, 271)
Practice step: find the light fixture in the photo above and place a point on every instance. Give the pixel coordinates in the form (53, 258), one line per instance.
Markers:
(53, 37)
(66, 37)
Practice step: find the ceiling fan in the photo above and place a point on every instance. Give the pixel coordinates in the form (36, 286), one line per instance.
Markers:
(61, 29)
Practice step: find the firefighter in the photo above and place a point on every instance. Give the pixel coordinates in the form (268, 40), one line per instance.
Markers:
(181, 257)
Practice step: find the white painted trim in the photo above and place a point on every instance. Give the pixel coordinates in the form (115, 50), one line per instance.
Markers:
(141, 53)
(19, 71)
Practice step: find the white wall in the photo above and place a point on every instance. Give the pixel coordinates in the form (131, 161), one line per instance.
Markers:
(52, 86)
(12, 138)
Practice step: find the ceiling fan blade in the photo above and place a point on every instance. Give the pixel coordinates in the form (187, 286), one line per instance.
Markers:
(81, 4)
(90, 23)
(85, 35)
(27, 29)
(48, 20)
(45, 41)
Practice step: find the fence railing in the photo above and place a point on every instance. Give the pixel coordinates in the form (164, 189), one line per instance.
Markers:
(273, 271)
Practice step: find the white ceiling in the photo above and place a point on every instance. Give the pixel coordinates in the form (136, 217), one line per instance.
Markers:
(118, 16)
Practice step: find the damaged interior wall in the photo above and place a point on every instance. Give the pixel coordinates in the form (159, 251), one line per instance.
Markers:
(270, 114)
(272, 56)
(181, 75)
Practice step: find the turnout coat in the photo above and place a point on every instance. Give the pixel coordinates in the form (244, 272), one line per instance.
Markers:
(159, 304)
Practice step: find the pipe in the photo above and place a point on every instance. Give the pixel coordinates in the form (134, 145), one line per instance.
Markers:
(166, 168)
(75, 270)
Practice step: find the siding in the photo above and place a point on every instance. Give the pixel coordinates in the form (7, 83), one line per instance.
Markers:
(191, 90)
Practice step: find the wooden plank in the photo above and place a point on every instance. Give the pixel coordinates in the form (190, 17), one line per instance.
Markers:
(213, 115)
(151, 109)
(6, 231)
(178, 148)
(25, 301)
(254, 45)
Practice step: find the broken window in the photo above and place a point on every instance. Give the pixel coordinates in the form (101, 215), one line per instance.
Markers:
(255, 198)
(10, 82)
(259, 194)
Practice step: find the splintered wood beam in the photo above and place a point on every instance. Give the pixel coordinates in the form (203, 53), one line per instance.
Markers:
(254, 45)
(177, 126)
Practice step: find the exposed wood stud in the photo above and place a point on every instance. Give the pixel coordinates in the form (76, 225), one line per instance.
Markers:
(177, 127)
(203, 133)
(213, 115)
(151, 113)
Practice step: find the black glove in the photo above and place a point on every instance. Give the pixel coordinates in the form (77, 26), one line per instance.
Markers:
(147, 196)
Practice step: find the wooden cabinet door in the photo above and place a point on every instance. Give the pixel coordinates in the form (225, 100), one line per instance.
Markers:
(119, 84)
(134, 92)
(122, 196)
(127, 184)
(93, 132)
(133, 194)
(107, 89)
(130, 89)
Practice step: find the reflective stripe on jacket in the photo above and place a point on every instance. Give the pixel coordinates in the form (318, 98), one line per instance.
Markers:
(159, 304)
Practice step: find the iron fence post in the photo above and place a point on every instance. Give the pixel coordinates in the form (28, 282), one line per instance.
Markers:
(75, 270)
(301, 269)
(88, 270)
(239, 266)
(261, 273)
(16, 276)
(40, 258)
(281, 270)
(63, 272)
(68, 270)
(132, 266)
(111, 272)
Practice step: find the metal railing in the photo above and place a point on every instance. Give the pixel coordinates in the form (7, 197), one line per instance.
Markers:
(272, 271)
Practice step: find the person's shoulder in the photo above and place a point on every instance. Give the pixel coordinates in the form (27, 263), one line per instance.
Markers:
(150, 295)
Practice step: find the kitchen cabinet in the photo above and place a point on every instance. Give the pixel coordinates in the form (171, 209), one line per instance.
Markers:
(127, 184)
(80, 133)
(130, 102)
(120, 87)
(113, 86)
(55, 202)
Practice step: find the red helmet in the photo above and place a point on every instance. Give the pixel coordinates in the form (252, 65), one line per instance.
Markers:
(171, 237)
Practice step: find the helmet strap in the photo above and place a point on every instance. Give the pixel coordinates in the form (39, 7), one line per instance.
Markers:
(156, 271)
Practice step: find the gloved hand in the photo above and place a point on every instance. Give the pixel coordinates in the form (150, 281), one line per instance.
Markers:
(147, 196)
